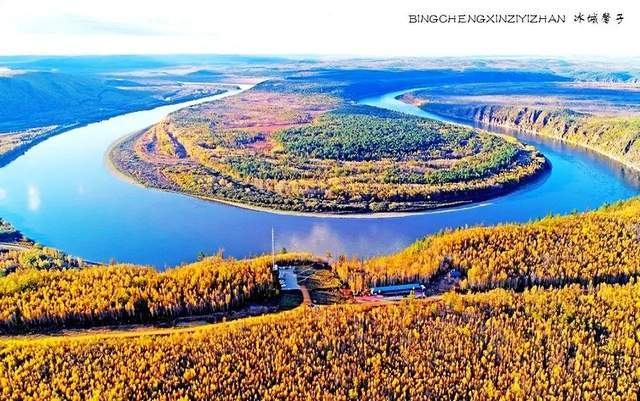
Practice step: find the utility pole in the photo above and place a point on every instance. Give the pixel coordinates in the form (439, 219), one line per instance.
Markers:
(273, 249)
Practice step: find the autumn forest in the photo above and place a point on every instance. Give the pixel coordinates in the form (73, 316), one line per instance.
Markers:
(471, 278)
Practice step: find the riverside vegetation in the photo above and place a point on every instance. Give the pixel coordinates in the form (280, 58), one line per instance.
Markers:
(33, 299)
(298, 149)
(592, 247)
(23, 254)
(607, 129)
(568, 332)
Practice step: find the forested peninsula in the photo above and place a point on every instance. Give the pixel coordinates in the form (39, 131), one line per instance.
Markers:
(284, 146)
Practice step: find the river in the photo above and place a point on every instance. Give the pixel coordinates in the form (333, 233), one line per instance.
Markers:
(60, 193)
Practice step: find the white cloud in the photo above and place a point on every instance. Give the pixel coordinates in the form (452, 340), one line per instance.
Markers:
(33, 198)
(3, 194)
(8, 72)
(335, 27)
(318, 240)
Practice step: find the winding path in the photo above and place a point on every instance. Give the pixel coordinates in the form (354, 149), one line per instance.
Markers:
(13, 247)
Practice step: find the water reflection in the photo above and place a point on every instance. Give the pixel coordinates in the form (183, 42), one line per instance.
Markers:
(621, 172)
(33, 198)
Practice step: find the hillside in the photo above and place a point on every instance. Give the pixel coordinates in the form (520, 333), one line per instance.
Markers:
(611, 129)
(572, 343)
(587, 249)
(42, 291)
(38, 99)
(37, 105)
(566, 314)
(593, 247)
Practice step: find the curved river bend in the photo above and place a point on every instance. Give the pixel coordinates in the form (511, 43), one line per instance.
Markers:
(61, 194)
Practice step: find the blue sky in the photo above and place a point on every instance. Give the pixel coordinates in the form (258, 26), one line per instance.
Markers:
(332, 27)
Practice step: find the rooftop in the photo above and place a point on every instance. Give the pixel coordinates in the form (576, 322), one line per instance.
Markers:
(288, 278)
(399, 287)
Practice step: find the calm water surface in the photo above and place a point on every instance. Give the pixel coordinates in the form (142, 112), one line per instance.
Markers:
(61, 194)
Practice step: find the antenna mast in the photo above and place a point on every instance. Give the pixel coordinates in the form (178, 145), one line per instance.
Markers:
(273, 249)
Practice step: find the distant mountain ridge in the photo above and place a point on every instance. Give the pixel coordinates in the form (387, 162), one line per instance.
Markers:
(36, 99)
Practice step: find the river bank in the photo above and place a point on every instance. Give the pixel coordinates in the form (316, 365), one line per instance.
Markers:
(11, 155)
(317, 156)
(113, 162)
(105, 217)
(587, 131)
